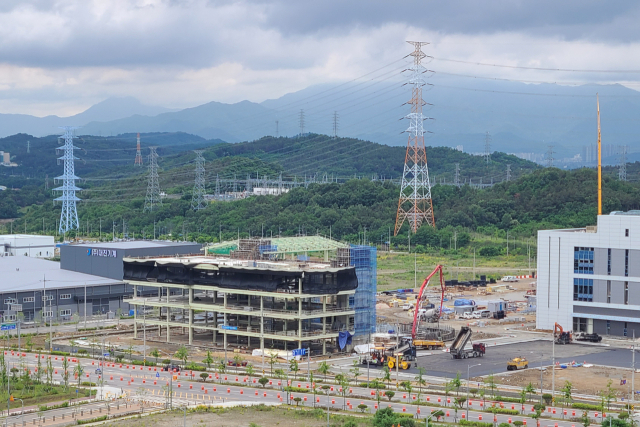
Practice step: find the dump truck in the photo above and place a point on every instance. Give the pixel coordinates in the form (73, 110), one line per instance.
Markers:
(458, 350)
(429, 344)
(560, 336)
(582, 336)
(517, 363)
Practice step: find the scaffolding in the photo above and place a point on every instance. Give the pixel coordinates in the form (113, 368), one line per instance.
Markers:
(363, 258)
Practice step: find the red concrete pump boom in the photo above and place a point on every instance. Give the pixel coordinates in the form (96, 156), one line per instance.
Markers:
(419, 299)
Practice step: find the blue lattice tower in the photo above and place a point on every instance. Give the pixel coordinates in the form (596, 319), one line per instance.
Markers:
(364, 259)
(69, 213)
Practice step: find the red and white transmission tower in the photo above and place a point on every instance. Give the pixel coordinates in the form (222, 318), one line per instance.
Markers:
(415, 203)
(138, 161)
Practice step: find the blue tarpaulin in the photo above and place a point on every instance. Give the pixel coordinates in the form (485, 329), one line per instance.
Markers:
(344, 339)
(459, 302)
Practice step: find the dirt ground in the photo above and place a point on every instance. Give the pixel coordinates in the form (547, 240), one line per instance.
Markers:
(584, 380)
(242, 417)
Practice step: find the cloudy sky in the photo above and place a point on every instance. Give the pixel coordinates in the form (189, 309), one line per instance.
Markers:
(61, 56)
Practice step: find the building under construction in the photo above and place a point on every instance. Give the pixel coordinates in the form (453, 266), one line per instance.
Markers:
(280, 293)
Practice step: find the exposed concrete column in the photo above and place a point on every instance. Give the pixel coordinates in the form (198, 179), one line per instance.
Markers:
(324, 347)
(326, 256)
(190, 296)
(135, 317)
(135, 291)
(215, 325)
(262, 324)
(190, 322)
(300, 322)
(225, 306)
(168, 318)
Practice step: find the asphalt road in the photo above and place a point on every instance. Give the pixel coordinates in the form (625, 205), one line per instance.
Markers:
(439, 363)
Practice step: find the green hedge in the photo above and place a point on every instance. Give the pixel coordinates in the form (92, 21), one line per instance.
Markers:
(47, 408)
(292, 389)
(366, 385)
(507, 399)
(93, 420)
(194, 367)
(474, 423)
(403, 415)
(503, 411)
(61, 353)
(587, 406)
(139, 362)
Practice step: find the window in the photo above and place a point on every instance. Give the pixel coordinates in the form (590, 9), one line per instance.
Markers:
(626, 292)
(624, 331)
(10, 301)
(609, 262)
(28, 299)
(579, 324)
(626, 263)
(9, 317)
(65, 312)
(583, 260)
(583, 290)
(626, 234)
(65, 296)
(609, 291)
(47, 297)
(608, 327)
(47, 314)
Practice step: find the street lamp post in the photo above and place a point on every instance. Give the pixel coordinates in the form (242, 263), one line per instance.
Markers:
(468, 383)
(144, 333)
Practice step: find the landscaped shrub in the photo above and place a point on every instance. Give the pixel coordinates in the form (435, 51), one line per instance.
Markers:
(586, 406)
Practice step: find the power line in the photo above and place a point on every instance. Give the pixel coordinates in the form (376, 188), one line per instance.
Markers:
(574, 70)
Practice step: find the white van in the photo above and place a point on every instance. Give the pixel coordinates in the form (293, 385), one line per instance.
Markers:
(481, 314)
(467, 315)
(509, 279)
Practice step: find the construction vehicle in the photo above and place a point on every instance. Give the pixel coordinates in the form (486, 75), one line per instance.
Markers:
(375, 357)
(420, 313)
(560, 336)
(429, 344)
(405, 348)
(400, 361)
(583, 336)
(517, 363)
(458, 350)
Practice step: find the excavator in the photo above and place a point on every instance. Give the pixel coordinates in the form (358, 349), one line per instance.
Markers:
(560, 336)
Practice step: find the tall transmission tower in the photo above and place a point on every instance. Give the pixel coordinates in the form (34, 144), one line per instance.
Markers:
(138, 161)
(456, 177)
(197, 200)
(487, 148)
(335, 124)
(153, 187)
(301, 122)
(28, 147)
(622, 167)
(277, 130)
(415, 204)
(508, 172)
(69, 213)
(549, 156)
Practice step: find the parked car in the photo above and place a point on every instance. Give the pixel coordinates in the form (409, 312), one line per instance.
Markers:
(467, 315)
(407, 306)
(481, 314)
(171, 368)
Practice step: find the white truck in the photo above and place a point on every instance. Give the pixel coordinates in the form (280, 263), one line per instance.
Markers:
(509, 279)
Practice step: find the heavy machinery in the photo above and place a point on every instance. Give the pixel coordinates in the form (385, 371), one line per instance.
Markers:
(375, 357)
(405, 348)
(400, 361)
(583, 336)
(419, 313)
(458, 350)
(517, 363)
(429, 344)
(560, 336)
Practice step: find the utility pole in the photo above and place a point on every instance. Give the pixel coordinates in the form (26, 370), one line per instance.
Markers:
(197, 199)
(487, 148)
(301, 122)
(415, 204)
(335, 124)
(153, 187)
(69, 213)
(549, 156)
(622, 167)
(138, 160)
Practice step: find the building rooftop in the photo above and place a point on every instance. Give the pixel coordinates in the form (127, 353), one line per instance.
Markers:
(23, 236)
(285, 245)
(214, 263)
(133, 244)
(21, 273)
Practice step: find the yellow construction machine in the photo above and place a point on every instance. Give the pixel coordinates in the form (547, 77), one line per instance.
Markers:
(517, 363)
(399, 360)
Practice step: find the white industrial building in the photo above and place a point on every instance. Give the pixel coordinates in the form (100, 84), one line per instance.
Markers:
(589, 278)
(27, 245)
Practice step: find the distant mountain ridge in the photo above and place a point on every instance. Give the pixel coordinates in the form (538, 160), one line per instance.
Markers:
(519, 117)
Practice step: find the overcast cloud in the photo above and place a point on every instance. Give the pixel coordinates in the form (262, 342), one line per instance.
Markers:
(59, 57)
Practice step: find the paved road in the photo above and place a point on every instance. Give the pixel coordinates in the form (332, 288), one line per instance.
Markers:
(150, 385)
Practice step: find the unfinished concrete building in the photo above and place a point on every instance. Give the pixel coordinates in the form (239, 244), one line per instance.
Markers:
(253, 300)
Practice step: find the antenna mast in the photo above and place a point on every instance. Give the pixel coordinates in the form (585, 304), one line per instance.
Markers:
(415, 204)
